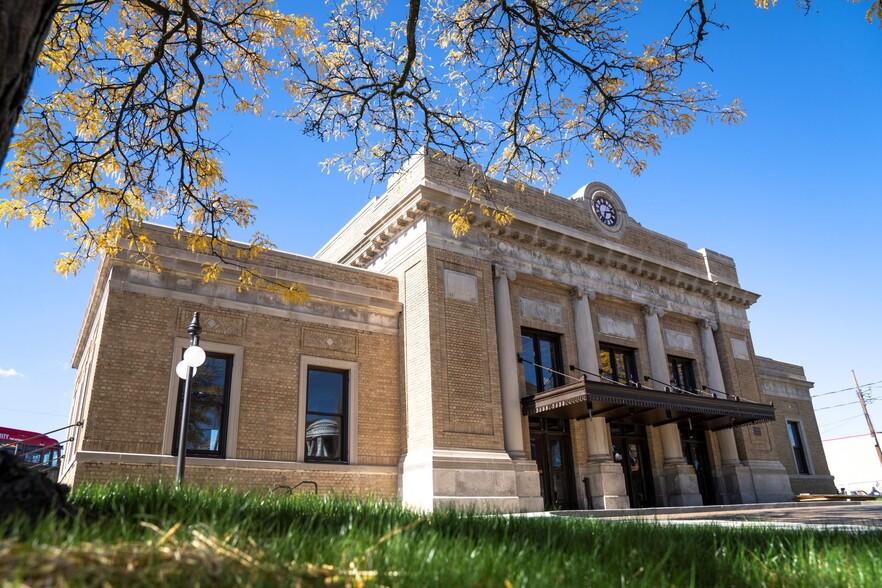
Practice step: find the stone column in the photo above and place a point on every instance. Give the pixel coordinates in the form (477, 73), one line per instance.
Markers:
(726, 437)
(606, 480)
(680, 482)
(735, 483)
(508, 365)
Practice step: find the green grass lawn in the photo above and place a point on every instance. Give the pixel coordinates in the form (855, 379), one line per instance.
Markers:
(129, 535)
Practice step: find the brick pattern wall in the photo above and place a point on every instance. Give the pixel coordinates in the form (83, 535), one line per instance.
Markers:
(465, 368)
(131, 384)
(418, 355)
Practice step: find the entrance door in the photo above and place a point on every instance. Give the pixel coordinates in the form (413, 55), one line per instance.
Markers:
(630, 448)
(695, 453)
(550, 447)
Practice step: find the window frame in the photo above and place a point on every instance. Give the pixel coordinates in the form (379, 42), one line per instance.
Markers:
(800, 436)
(220, 452)
(557, 358)
(169, 442)
(627, 352)
(349, 434)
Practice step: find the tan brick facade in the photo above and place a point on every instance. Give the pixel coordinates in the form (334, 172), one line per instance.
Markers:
(786, 385)
(430, 338)
(136, 335)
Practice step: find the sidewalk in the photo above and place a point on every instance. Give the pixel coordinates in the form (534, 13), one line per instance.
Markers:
(863, 515)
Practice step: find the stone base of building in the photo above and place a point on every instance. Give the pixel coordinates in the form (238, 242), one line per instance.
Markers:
(736, 485)
(242, 474)
(757, 481)
(681, 485)
(529, 495)
(605, 486)
(770, 481)
(479, 480)
(802, 484)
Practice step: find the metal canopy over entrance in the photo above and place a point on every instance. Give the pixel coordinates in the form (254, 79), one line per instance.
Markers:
(618, 403)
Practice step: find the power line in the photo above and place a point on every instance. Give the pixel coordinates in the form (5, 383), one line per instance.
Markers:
(836, 424)
(838, 405)
(849, 389)
(33, 412)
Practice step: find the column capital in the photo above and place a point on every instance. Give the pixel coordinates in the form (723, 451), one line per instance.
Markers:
(580, 292)
(708, 324)
(650, 310)
(503, 271)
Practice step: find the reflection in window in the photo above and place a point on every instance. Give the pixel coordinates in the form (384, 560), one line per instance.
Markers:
(798, 448)
(327, 392)
(541, 349)
(209, 405)
(682, 373)
(617, 364)
(32, 453)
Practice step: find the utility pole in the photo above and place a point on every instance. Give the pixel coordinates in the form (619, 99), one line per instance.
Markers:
(867, 415)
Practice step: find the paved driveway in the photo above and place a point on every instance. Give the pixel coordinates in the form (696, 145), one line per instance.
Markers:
(865, 516)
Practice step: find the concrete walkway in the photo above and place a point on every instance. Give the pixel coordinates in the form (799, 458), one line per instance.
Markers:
(862, 516)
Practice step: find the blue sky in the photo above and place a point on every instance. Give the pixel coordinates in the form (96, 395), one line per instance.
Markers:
(793, 194)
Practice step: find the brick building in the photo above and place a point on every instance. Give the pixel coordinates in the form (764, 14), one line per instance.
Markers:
(573, 359)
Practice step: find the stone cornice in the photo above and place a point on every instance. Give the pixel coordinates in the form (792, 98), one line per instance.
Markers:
(432, 199)
(182, 273)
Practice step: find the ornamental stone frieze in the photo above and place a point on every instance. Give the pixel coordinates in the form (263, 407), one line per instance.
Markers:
(365, 316)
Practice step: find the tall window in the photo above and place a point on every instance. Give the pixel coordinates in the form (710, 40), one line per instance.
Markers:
(327, 399)
(682, 373)
(618, 364)
(798, 448)
(542, 349)
(209, 407)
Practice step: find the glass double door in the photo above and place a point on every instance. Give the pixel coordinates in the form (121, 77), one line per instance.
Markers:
(551, 449)
(695, 454)
(631, 450)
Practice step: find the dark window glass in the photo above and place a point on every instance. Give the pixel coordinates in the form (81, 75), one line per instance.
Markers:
(682, 373)
(541, 349)
(327, 394)
(798, 449)
(209, 407)
(32, 453)
(618, 364)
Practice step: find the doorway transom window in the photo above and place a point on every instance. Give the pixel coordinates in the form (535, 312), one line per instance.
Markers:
(618, 364)
(682, 373)
(541, 351)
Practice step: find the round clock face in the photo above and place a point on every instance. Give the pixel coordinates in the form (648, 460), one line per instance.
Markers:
(605, 211)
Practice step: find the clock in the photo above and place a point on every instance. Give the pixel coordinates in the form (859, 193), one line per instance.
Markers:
(605, 211)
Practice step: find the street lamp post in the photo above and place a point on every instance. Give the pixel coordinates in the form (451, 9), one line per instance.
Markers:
(194, 357)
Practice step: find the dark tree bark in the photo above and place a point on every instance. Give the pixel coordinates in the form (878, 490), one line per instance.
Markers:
(24, 25)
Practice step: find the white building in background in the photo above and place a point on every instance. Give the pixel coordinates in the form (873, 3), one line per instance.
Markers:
(854, 463)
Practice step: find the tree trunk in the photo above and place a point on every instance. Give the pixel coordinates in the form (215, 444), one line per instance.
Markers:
(24, 25)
